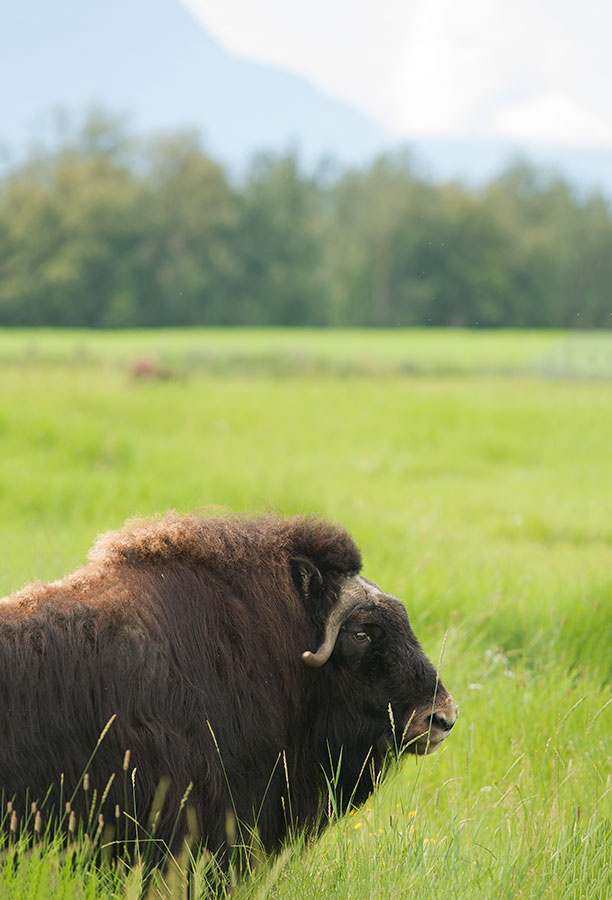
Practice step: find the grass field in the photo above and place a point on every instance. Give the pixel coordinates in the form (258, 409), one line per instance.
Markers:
(475, 472)
(333, 351)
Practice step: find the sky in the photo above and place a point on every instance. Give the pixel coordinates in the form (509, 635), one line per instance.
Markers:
(535, 72)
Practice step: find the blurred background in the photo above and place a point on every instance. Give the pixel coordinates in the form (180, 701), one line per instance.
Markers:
(389, 164)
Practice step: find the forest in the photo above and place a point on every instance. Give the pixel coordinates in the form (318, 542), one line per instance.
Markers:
(103, 229)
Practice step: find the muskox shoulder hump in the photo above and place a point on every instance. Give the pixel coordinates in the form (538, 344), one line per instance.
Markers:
(228, 540)
(328, 546)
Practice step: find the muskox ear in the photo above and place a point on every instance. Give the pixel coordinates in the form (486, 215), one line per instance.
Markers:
(307, 580)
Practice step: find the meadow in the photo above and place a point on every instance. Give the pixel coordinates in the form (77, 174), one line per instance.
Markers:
(474, 470)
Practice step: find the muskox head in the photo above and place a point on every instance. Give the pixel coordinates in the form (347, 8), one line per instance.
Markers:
(378, 670)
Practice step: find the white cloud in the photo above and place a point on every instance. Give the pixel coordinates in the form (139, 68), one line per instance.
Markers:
(461, 60)
(345, 48)
(553, 118)
(485, 68)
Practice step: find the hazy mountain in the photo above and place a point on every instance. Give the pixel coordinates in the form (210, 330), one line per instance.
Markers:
(152, 61)
(476, 161)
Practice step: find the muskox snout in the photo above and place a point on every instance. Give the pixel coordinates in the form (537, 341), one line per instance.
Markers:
(428, 729)
(445, 716)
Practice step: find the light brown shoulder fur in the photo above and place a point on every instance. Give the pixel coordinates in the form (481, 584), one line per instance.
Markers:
(222, 541)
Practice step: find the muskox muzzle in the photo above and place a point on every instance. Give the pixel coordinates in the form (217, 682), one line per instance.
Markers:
(426, 730)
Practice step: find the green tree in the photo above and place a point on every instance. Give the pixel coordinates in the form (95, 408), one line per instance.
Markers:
(465, 254)
(187, 270)
(103, 230)
(68, 232)
(368, 211)
(587, 300)
(280, 246)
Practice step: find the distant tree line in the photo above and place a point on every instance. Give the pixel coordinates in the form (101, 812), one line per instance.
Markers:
(104, 231)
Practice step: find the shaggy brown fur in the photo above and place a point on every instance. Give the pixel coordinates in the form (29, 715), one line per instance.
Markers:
(189, 630)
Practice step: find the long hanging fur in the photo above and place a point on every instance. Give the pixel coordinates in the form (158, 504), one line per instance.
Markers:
(189, 630)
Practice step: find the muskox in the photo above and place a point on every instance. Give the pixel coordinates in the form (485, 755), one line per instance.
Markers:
(242, 662)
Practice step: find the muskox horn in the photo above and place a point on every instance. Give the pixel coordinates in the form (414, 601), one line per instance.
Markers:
(350, 597)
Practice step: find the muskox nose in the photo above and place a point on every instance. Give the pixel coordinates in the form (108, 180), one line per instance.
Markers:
(427, 729)
(445, 715)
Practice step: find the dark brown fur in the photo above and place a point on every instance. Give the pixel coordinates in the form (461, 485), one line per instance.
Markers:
(189, 630)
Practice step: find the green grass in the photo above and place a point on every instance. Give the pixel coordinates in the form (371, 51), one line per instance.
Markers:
(475, 472)
(281, 351)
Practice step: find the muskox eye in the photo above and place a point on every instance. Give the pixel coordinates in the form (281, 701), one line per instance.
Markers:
(361, 636)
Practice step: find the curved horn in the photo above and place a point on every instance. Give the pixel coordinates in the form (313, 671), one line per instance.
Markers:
(348, 600)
